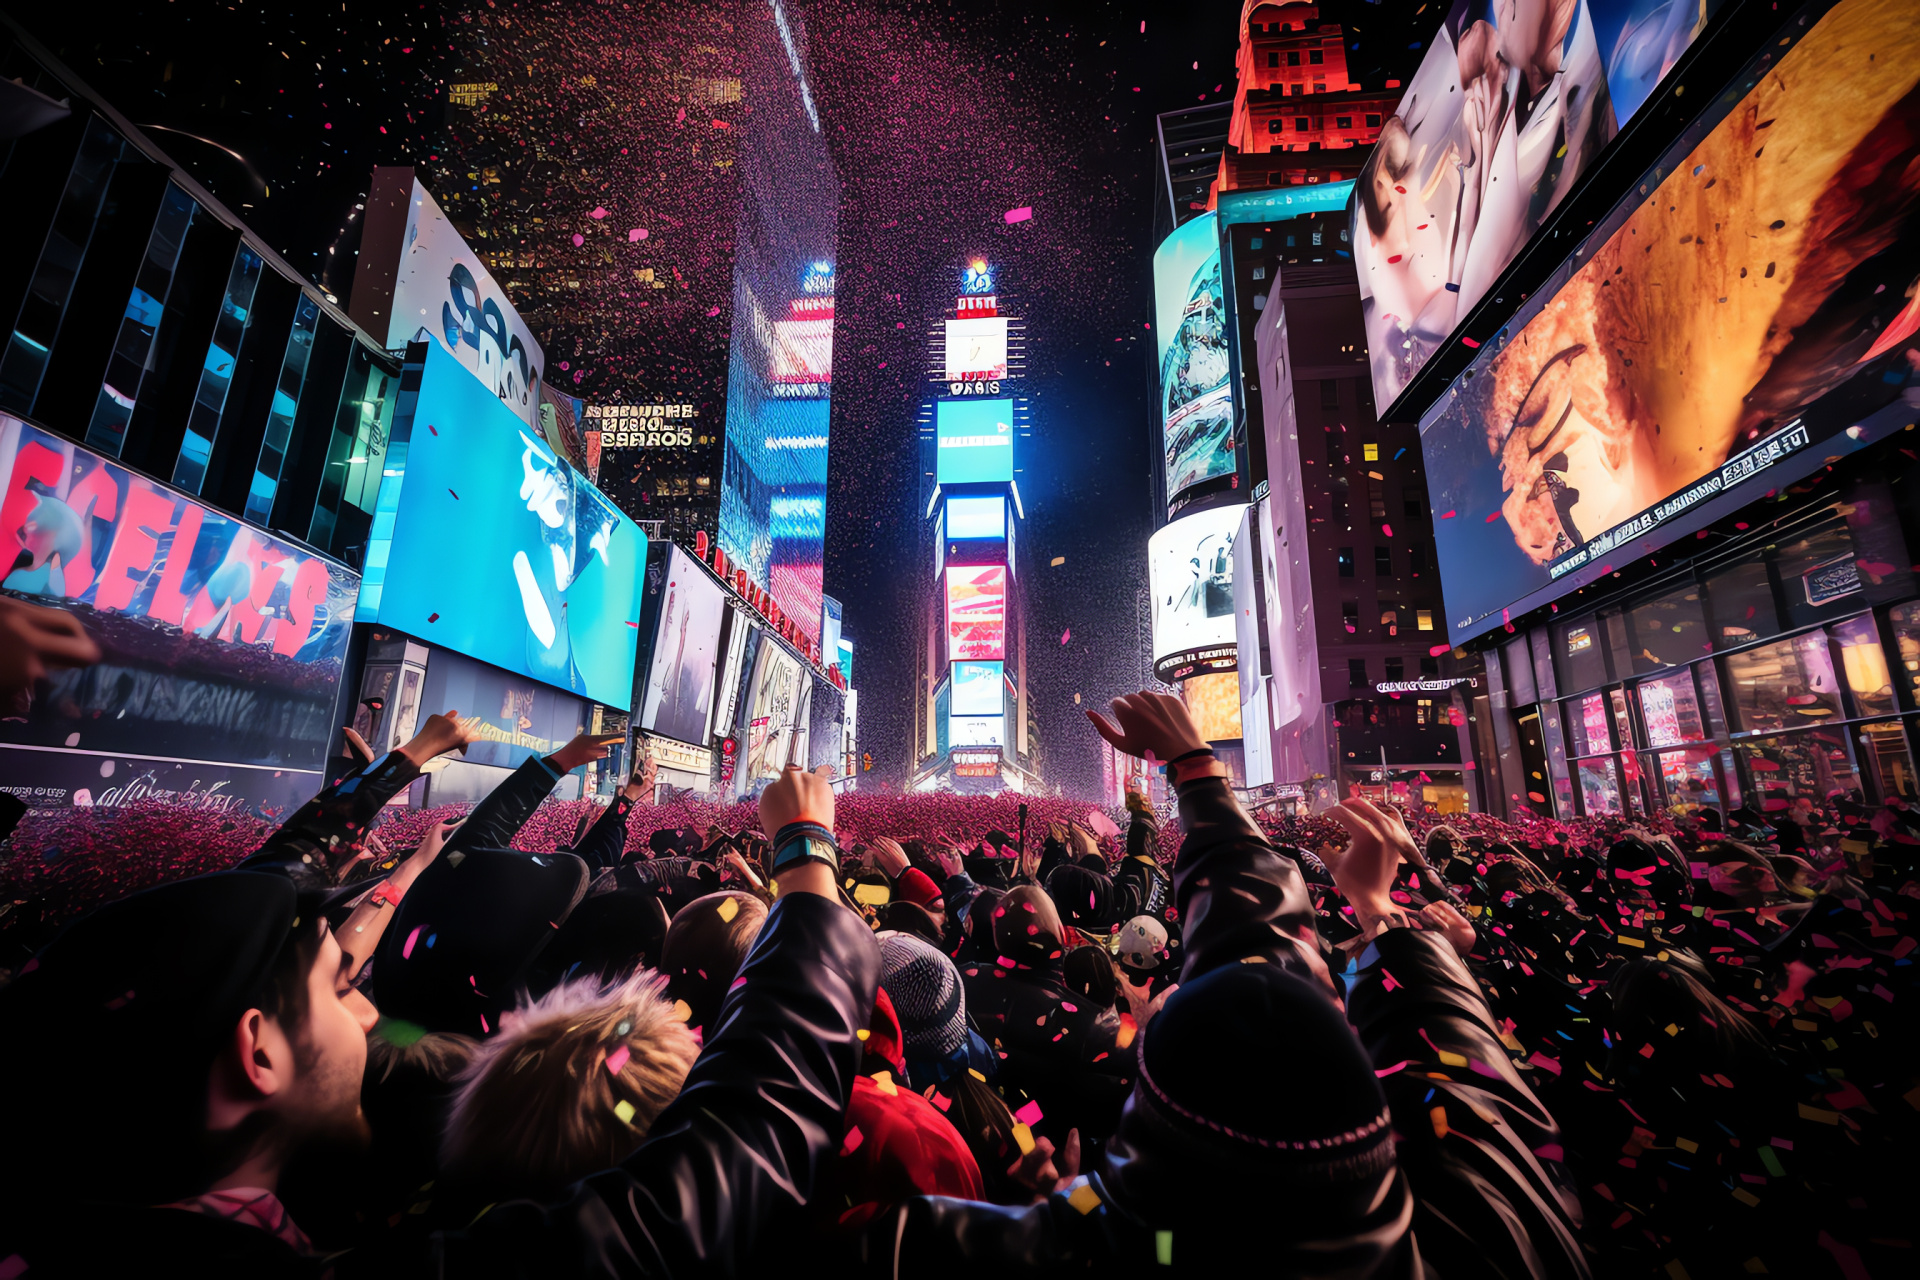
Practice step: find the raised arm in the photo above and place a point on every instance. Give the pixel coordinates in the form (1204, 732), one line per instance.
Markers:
(496, 820)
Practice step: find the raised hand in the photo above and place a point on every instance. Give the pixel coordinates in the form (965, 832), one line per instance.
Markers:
(584, 749)
(1150, 725)
(1365, 870)
(440, 734)
(1444, 919)
(640, 785)
(888, 856)
(33, 640)
(798, 796)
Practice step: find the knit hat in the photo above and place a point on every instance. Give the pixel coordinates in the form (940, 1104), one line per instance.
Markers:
(1233, 1051)
(916, 886)
(926, 993)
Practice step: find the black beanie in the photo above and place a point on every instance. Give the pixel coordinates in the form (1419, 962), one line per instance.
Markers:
(1253, 1054)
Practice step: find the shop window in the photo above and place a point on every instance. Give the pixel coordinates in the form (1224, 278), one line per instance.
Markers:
(1579, 654)
(1423, 619)
(1788, 768)
(1345, 555)
(1787, 685)
(1396, 669)
(1588, 717)
(1741, 604)
(1883, 750)
(1863, 664)
(1357, 672)
(1622, 721)
(1670, 709)
(1599, 784)
(1668, 630)
(1906, 635)
(1687, 779)
(1817, 576)
(1383, 560)
(1368, 452)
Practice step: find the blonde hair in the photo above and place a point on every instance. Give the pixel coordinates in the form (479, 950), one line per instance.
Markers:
(539, 1107)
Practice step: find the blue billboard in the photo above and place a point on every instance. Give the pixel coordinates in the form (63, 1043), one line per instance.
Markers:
(976, 688)
(974, 441)
(494, 547)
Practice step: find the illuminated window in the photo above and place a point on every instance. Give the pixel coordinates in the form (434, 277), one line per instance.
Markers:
(1370, 452)
(1423, 618)
(1346, 562)
(1390, 619)
(1423, 711)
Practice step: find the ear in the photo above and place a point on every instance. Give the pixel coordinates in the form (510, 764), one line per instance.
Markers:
(255, 1065)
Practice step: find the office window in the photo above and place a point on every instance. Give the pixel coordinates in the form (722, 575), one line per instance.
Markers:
(1346, 562)
(1301, 124)
(1329, 393)
(1373, 122)
(1350, 617)
(1423, 619)
(1396, 669)
(1416, 560)
(1336, 453)
(1293, 58)
(1343, 122)
(1276, 126)
(1339, 491)
(1273, 59)
(1295, 90)
(1315, 57)
(1429, 666)
(1383, 561)
(1357, 672)
(1255, 243)
(1370, 453)
(1413, 506)
(1390, 621)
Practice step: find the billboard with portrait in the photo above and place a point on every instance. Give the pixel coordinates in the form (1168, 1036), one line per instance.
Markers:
(1190, 570)
(976, 349)
(773, 710)
(1743, 323)
(501, 551)
(973, 441)
(977, 612)
(1508, 109)
(219, 642)
(976, 688)
(1190, 324)
(686, 651)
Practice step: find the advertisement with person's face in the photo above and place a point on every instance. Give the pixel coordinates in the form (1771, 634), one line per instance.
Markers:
(1196, 398)
(503, 552)
(1759, 301)
(1190, 568)
(686, 649)
(1508, 108)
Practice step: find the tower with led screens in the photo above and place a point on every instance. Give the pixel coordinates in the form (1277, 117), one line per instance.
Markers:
(973, 716)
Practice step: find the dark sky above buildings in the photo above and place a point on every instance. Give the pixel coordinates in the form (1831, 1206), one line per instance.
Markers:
(941, 117)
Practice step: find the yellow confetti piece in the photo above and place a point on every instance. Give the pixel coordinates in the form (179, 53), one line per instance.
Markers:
(1830, 1044)
(1163, 1248)
(1439, 1115)
(729, 909)
(1451, 1059)
(1686, 1144)
(1625, 941)
(1023, 1137)
(1677, 1271)
(862, 1034)
(682, 1010)
(1085, 1198)
(982, 1079)
(1746, 1197)
(1673, 1028)
(1801, 1024)
(624, 1110)
(883, 1081)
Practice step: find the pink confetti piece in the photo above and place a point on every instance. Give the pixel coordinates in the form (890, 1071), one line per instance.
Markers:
(1438, 649)
(1545, 1063)
(617, 1060)
(1387, 529)
(1449, 515)
(1066, 635)
(1023, 214)
(597, 213)
(1495, 516)
(12, 1266)
(1471, 343)
(1552, 1151)
(1396, 1067)
(1845, 1256)
(406, 951)
(851, 1143)
(636, 235)
(578, 239)
(1028, 1115)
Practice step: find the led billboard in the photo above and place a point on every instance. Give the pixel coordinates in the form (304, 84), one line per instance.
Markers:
(773, 710)
(1508, 109)
(973, 441)
(501, 551)
(686, 650)
(976, 349)
(977, 613)
(1196, 398)
(1739, 326)
(976, 731)
(976, 518)
(218, 642)
(1190, 569)
(976, 688)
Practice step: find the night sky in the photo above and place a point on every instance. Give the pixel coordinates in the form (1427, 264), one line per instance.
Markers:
(941, 118)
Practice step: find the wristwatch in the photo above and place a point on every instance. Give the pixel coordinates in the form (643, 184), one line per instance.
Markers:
(804, 842)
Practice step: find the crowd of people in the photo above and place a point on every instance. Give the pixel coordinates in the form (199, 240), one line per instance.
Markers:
(555, 1039)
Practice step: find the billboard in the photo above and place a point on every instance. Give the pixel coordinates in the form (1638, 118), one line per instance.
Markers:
(1740, 326)
(773, 711)
(977, 613)
(515, 717)
(686, 650)
(1214, 702)
(501, 551)
(976, 688)
(846, 660)
(1196, 398)
(973, 441)
(976, 731)
(976, 349)
(1507, 110)
(976, 517)
(1190, 569)
(218, 641)
(441, 291)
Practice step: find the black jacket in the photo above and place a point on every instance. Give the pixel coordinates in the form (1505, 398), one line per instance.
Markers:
(1053, 1044)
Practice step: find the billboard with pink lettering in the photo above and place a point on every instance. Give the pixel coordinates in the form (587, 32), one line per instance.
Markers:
(221, 643)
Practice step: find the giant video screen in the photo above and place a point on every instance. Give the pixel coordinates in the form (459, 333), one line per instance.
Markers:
(1190, 323)
(976, 349)
(973, 441)
(686, 650)
(773, 715)
(220, 644)
(1190, 570)
(977, 613)
(503, 552)
(1508, 109)
(1747, 320)
(976, 688)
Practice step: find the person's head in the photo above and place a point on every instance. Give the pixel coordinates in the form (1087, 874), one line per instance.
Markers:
(233, 994)
(1388, 169)
(1741, 873)
(1143, 945)
(1672, 988)
(1533, 31)
(1083, 897)
(705, 946)
(927, 997)
(905, 917)
(569, 1086)
(1027, 928)
(916, 886)
(1088, 972)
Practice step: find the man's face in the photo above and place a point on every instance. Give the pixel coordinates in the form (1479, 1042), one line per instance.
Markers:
(331, 1051)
